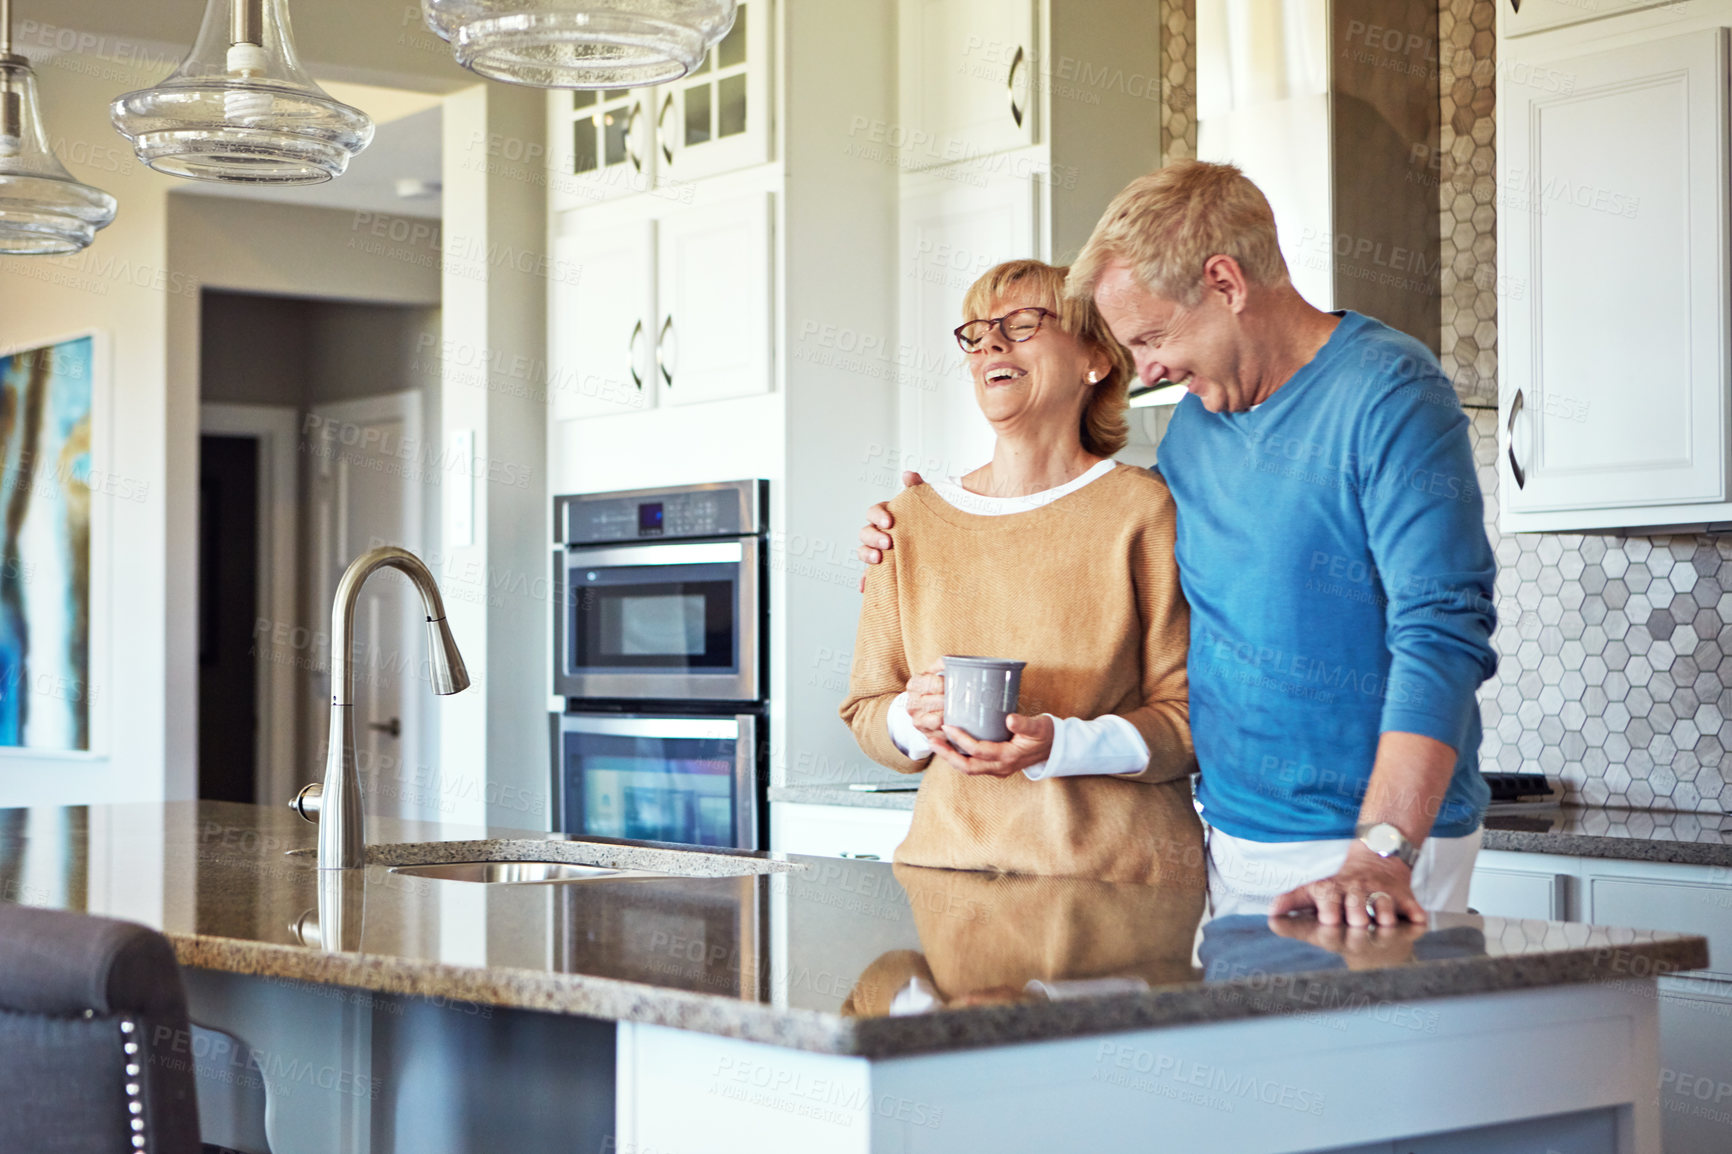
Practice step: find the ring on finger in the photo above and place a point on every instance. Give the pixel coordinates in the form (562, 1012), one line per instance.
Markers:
(1371, 903)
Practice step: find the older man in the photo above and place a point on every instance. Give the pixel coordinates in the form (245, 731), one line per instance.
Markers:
(1332, 547)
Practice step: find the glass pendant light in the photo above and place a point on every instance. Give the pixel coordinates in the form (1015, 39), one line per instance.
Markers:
(581, 43)
(240, 107)
(42, 209)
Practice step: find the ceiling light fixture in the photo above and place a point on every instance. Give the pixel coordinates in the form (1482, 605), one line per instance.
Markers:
(581, 43)
(241, 109)
(42, 209)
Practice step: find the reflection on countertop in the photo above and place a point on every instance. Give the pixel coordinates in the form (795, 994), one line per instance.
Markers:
(849, 957)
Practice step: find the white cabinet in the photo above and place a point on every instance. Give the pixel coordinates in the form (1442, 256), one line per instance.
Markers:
(1695, 1008)
(1524, 17)
(1607, 892)
(669, 310)
(713, 296)
(622, 142)
(954, 226)
(600, 327)
(1694, 899)
(1519, 893)
(718, 118)
(600, 145)
(1695, 1065)
(1613, 302)
(966, 79)
(838, 830)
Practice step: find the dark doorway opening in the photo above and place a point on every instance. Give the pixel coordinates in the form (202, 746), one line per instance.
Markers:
(228, 553)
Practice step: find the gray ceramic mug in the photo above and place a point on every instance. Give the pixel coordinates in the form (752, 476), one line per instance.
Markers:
(979, 693)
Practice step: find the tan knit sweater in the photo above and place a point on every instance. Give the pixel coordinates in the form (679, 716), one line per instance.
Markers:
(1086, 591)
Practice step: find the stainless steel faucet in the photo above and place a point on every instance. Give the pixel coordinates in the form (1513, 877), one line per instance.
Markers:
(336, 805)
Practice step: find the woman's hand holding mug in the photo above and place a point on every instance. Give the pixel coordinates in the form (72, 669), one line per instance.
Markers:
(1030, 744)
(926, 702)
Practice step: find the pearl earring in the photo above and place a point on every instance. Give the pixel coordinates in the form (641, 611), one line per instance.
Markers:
(1093, 376)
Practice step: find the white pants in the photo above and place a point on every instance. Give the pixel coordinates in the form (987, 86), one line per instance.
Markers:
(1245, 877)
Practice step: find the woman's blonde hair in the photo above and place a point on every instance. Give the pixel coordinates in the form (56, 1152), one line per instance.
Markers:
(1165, 226)
(1103, 426)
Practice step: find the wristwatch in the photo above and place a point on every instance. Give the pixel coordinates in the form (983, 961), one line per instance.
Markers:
(1386, 841)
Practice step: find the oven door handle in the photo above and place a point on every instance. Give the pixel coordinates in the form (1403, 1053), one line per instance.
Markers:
(703, 553)
(687, 728)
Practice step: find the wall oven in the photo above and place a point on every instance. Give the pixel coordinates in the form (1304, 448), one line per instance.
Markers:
(659, 631)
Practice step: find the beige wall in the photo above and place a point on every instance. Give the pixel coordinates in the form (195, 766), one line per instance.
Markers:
(121, 288)
(139, 287)
(266, 350)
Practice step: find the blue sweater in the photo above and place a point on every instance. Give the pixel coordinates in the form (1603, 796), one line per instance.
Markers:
(1332, 546)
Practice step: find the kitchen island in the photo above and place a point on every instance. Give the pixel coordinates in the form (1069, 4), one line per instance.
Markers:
(755, 1003)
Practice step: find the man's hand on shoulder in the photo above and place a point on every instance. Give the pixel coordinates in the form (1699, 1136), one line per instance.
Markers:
(875, 534)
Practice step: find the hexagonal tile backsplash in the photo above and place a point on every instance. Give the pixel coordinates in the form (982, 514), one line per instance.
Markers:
(1615, 660)
(1615, 656)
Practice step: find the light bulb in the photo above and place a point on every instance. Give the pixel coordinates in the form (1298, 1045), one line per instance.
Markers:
(246, 62)
(11, 122)
(240, 108)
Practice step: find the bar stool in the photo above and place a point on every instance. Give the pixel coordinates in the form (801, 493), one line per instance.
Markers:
(94, 1057)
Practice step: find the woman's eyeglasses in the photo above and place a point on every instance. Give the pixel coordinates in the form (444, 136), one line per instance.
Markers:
(1016, 326)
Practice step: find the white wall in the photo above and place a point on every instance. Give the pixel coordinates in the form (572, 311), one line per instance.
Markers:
(494, 754)
(121, 287)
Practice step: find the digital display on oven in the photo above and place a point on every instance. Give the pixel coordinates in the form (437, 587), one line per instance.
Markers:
(649, 518)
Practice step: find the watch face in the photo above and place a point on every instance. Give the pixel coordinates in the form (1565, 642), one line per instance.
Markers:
(1383, 839)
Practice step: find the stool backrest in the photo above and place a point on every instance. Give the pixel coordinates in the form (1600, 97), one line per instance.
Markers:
(93, 1037)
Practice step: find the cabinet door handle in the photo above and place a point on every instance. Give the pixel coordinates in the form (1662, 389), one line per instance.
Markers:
(1516, 471)
(664, 360)
(631, 354)
(630, 137)
(662, 129)
(1010, 86)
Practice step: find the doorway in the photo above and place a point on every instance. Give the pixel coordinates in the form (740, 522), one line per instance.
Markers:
(228, 508)
(312, 413)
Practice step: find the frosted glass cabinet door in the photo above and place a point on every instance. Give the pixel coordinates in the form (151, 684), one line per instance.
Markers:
(717, 119)
(967, 85)
(952, 232)
(1613, 294)
(601, 145)
(712, 335)
(601, 309)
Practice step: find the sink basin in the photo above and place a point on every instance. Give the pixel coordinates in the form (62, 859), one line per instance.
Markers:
(523, 872)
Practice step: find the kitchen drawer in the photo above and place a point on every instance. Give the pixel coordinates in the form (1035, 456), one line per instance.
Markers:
(838, 830)
(1698, 905)
(1507, 893)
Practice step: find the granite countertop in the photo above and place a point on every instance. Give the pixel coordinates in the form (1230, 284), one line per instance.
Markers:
(1629, 834)
(1527, 827)
(834, 956)
(842, 795)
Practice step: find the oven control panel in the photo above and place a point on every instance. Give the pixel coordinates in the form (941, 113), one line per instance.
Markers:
(730, 510)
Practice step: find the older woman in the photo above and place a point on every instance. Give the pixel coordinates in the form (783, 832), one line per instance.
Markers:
(1054, 555)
